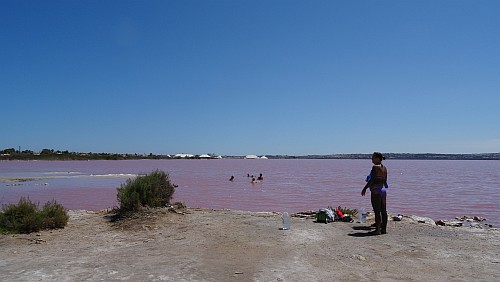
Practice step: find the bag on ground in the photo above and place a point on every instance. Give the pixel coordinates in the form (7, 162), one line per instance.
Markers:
(324, 216)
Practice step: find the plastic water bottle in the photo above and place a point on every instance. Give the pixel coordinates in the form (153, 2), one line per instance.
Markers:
(362, 217)
(286, 221)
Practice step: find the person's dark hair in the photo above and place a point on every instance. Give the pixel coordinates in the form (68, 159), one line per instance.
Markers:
(378, 155)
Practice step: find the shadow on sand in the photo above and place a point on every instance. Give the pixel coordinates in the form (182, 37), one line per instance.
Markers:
(362, 227)
(362, 234)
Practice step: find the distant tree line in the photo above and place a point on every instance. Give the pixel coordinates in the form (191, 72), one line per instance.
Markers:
(50, 154)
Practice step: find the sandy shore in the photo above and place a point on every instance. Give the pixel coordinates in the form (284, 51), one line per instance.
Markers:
(207, 245)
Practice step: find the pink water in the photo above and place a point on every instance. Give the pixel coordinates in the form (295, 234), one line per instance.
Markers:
(436, 189)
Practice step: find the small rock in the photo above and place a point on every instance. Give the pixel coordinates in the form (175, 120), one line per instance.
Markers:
(359, 257)
(455, 223)
(476, 225)
(463, 218)
(424, 220)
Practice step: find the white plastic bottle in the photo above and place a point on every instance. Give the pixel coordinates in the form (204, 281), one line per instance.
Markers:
(362, 216)
(286, 221)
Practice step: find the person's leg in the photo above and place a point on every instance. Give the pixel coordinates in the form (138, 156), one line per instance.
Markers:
(377, 208)
(383, 211)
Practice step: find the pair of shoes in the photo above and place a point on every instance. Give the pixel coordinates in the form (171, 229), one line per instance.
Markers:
(375, 232)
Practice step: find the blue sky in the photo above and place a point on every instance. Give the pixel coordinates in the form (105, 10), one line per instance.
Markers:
(250, 77)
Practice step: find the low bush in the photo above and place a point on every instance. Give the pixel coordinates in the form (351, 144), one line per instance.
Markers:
(21, 218)
(25, 217)
(54, 215)
(151, 190)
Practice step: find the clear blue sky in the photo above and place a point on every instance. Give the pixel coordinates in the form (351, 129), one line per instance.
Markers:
(250, 77)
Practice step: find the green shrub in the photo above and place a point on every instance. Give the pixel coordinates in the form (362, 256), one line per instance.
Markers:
(24, 217)
(150, 190)
(3, 223)
(54, 215)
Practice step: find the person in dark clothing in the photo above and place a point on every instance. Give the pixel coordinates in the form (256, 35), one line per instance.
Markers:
(377, 183)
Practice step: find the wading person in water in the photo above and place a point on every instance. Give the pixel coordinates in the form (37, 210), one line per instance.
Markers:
(377, 183)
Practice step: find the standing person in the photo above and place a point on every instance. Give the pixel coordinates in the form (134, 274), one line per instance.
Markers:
(377, 184)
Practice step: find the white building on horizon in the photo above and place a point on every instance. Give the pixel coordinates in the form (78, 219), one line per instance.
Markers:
(183, 156)
(251, 157)
(255, 157)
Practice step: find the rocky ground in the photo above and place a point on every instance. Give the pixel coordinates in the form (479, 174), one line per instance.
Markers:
(207, 245)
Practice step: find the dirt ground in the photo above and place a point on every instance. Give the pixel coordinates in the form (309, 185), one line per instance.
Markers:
(207, 245)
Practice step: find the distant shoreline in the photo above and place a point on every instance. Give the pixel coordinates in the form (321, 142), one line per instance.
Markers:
(75, 156)
(401, 156)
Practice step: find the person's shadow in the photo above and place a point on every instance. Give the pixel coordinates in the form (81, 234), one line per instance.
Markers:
(361, 234)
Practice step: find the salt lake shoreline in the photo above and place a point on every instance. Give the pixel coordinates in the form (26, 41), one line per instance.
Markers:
(465, 220)
(227, 245)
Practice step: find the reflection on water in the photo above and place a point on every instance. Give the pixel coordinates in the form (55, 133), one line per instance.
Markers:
(438, 189)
